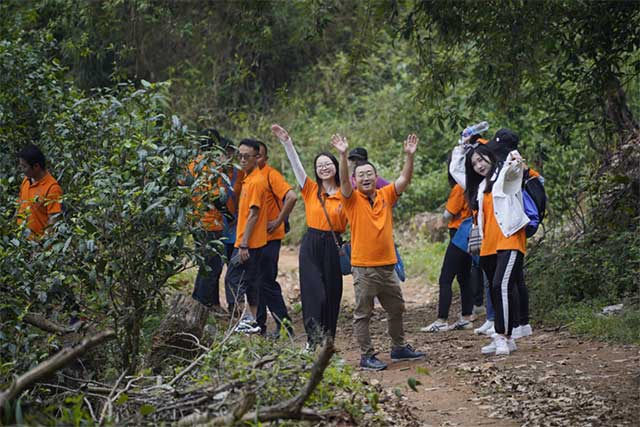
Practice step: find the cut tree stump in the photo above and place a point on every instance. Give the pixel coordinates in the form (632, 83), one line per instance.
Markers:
(185, 316)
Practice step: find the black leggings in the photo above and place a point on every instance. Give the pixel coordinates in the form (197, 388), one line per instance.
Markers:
(456, 264)
(320, 284)
(503, 271)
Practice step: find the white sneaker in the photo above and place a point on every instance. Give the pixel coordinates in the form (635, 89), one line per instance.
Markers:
(482, 330)
(248, 325)
(436, 326)
(500, 346)
(521, 331)
(461, 324)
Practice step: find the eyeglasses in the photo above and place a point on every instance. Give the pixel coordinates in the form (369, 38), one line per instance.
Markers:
(324, 166)
(246, 156)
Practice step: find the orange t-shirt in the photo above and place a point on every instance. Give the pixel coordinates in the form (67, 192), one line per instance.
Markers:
(276, 186)
(253, 193)
(38, 200)
(457, 206)
(371, 227)
(314, 212)
(533, 173)
(493, 240)
(211, 218)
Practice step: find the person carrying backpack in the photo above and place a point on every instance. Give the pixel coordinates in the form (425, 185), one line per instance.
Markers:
(493, 191)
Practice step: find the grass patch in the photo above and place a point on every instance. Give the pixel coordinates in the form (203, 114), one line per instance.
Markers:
(424, 258)
(584, 319)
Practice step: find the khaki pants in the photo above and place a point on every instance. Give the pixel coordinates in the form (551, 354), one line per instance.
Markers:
(381, 282)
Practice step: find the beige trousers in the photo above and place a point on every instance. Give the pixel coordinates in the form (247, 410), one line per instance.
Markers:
(381, 282)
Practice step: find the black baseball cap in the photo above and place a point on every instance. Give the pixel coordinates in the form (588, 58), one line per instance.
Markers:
(358, 153)
(503, 142)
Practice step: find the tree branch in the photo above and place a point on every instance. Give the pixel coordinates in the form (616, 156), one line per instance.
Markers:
(49, 366)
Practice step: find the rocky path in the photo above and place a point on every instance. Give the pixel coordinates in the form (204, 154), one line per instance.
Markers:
(553, 379)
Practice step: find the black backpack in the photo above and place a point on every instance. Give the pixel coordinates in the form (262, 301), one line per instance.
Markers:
(534, 188)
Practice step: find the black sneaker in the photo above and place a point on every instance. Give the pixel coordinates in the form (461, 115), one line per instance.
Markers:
(406, 353)
(372, 363)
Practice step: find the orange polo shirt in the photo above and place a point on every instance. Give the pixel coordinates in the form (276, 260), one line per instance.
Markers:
(277, 188)
(314, 212)
(210, 217)
(38, 200)
(371, 227)
(493, 240)
(457, 205)
(253, 193)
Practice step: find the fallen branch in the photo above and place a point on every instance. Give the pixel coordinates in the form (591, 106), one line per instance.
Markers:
(51, 365)
(290, 409)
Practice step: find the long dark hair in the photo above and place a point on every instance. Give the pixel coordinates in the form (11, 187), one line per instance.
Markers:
(474, 179)
(315, 170)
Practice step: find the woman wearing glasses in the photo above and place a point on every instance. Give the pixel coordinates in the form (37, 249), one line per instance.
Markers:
(320, 275)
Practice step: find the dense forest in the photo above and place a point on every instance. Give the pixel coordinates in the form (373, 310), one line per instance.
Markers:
(117, 92)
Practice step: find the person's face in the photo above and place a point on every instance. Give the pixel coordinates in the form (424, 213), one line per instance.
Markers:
(262, 157)
(481, 165)
(365, 179)
(247, 157)
(325, 168)
(28, 170)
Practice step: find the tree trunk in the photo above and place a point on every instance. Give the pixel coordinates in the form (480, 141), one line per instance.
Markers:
(185, 316)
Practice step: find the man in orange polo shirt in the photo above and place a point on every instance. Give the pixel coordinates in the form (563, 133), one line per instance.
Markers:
(243, 276)
(373, 255)
(280, 202)
(209, 201)
(40, 193)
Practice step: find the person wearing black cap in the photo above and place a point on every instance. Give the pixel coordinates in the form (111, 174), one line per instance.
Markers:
(494, 192)
(505, 141)
(359, 154)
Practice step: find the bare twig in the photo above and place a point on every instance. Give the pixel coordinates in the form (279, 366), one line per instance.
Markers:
(290, 409)
(108, 406)
(49, 366)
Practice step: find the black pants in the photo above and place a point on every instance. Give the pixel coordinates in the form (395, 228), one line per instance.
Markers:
(476, 278)
(456, 264)
(320, 284)
(243, 280)
(269, 291)
(523, 301)
(206, 288)
(503, 270)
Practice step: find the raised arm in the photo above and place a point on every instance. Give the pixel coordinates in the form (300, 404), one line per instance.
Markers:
(284, 138)
(410, 146)
(340, 143)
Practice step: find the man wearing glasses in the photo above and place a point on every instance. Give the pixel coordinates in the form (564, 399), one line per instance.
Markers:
(243, 277)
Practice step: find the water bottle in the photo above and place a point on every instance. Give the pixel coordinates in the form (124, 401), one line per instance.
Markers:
(475, 129)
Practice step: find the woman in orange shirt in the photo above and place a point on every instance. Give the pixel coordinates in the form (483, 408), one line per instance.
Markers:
(493, 191)
(320, 274)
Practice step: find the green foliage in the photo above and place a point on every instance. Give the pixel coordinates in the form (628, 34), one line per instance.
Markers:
(119, 158)
(424, 258)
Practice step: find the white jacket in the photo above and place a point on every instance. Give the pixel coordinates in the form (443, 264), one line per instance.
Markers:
(508, 207)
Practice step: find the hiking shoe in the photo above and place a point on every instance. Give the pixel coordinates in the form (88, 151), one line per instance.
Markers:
(372, 363)
(406, 353)
(500, 346)
(436, 326)
(460, 325)
(483, 330)
(521, 331)
(248, 325)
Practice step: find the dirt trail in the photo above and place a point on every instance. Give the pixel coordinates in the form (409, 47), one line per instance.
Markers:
(553, 379)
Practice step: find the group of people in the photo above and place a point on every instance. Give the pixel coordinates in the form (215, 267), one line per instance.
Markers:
(248, 209)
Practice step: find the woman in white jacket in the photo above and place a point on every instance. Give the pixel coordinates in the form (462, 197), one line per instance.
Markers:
(494, 193)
